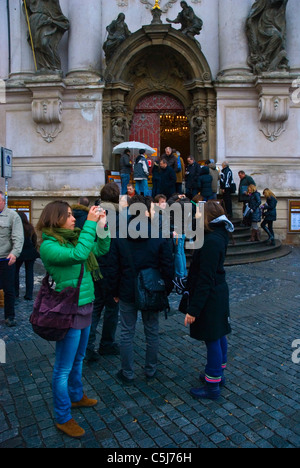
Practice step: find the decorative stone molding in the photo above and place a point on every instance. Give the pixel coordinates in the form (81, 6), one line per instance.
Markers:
(274, 106)
(47, 107)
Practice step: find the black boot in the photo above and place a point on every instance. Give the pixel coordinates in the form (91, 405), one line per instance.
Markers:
(211, 391)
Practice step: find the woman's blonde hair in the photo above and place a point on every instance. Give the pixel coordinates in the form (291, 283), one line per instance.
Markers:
(268, 193)
(251, 188)
(212, 210)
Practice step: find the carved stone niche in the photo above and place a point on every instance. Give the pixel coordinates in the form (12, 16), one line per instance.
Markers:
(274, 107)
(47, 108)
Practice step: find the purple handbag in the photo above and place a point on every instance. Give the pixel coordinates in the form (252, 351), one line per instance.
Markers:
(53, 312)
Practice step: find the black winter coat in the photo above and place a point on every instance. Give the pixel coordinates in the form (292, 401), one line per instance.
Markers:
(209, 294)
(205, 182)
(269, 212)
(192, 176)
(167, 182)
(146, 253)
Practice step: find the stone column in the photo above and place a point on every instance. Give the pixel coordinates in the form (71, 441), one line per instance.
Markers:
(84, 39)
(4, 56)
(22, 63)
(232, 37)
(292, 46)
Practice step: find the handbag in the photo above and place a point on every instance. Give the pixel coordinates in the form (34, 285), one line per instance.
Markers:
(232, 187)
(53, 311)
(149, 288)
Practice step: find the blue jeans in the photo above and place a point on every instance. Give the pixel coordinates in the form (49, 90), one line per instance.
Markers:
(141, 186)
(216, 360)
(125, 179)
(180, 258)
(66, 381)
(128, 315)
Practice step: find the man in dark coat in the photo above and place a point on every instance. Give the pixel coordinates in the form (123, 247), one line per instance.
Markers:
(167, 182)
(192, 175)
(170, 157)
(245, 181)
(226, 181)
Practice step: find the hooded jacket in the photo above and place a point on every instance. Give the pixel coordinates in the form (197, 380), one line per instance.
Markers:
(205, 182)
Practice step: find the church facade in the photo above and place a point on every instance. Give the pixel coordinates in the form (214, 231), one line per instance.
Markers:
(185, 74)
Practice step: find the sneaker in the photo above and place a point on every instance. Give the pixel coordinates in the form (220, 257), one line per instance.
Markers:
(9, 322)
(113, 350)
(124, 379)
(91, 356)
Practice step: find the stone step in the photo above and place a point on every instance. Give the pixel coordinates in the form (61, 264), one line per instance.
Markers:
(262, 256)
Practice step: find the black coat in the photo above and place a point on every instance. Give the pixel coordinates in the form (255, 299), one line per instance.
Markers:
(167, 183)
(254, 205)
(146, 253)
(192, 174)
(205, 182)
(209, 294)
(269, 211)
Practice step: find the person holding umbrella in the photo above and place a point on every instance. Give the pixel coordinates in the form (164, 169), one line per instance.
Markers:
(141, 173)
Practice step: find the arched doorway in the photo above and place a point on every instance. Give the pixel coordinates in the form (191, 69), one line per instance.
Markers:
(157, 61)
(159, 120)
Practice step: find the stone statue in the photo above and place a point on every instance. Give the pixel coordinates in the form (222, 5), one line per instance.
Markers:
(47, 25)
(119, 129)
(200, 131)
(191, 25)
(117, 33)
(266, 33)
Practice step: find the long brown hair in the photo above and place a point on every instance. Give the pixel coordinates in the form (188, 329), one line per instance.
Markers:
(212, 210)
(28, 228)
(54, 215)
(268, 193)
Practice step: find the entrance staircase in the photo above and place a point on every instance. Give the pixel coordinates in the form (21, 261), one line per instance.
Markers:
(241, 252)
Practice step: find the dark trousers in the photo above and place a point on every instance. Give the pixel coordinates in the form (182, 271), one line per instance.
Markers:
(29, 277)
(110, 318)
(267, 226)
(7, 283)
(227, 202)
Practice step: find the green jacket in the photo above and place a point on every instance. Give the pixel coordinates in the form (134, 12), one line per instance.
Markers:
(63, 262)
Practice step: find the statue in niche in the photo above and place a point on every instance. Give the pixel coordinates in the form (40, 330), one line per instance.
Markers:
(47, 25)
(119, 129)
(266, 33)
(117, 33)
(191, 25)
(200, 131)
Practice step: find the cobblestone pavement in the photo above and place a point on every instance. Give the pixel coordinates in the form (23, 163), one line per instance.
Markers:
(259, 407)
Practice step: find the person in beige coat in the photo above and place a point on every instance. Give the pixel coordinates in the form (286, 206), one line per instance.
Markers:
(11, 244)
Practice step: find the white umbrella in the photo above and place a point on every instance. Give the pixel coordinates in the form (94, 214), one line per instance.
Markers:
(133, 145)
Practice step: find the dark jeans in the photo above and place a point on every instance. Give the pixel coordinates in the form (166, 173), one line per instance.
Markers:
(7, 283)
(216, 360)
(267, 226)
(227, 202)
(110, 318)
(29, 277)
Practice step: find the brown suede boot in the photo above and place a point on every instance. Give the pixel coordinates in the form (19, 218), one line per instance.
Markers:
(257, 235)
(253, 237)
(71, 428)
(85, 402)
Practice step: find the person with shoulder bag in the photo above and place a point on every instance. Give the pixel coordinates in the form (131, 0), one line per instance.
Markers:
(269, 215)
(68, 254)
(137, 264)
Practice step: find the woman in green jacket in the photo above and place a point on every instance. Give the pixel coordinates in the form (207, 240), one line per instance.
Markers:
(63, 250)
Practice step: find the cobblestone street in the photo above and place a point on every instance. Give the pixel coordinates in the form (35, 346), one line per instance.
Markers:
(259, 407)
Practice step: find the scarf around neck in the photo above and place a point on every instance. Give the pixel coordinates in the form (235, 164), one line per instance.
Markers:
(65, 236)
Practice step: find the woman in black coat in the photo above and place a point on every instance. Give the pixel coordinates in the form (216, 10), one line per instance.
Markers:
(254, 205)
(208, 309)
(269, 214)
